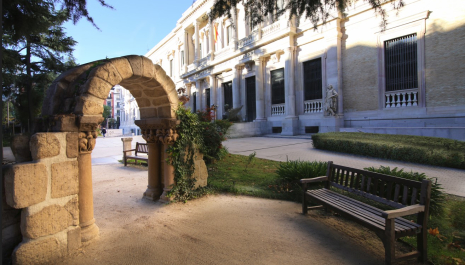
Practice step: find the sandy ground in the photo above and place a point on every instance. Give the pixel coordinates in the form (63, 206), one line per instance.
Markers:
(217, 229)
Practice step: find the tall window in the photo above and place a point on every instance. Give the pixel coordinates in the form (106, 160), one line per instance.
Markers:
(207, 97)
(401, 63)
(182, 57)
(228, 35)
(194, 100)
(200, 50)
(312, 79)
(227, 92)
(277, 86)
(171, 67)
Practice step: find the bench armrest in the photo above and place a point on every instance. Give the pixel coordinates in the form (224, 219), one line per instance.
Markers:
(313, 180)
(412, 209)
(125, 151)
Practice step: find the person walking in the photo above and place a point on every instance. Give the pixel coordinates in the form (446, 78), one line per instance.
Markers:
(104, 131)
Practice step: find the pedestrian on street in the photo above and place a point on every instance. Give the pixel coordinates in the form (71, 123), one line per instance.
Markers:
(104, 131)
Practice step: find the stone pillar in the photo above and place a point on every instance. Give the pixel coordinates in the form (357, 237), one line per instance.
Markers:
(199, 94)
(186, 50)
(168, 139)
(234, 29)
(290, 124)
(154, 187)
(127, 144)
(89, 229)
(259, 91)
(189, 94)
(197, 50)
(212, 41)
(236, 86)
(213, 92)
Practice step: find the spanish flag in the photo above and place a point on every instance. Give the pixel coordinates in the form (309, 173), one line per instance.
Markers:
(216, 32)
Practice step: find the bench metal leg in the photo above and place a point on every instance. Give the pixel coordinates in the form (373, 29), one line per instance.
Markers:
(422, 241)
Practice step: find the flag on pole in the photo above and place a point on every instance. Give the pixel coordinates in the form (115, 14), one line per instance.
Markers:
(216, 33)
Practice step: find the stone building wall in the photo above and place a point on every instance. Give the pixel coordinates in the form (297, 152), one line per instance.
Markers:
(45, 191)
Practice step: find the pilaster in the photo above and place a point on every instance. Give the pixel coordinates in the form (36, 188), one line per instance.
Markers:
(259, 89)
(197, 46)
(236, 86)
(199, 94)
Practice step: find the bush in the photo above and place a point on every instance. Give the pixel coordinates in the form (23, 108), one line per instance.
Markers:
(417, 149)
(290, 172)
(457, 215)
(437, 197)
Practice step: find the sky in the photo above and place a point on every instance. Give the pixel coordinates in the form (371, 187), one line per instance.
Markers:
(132, 27)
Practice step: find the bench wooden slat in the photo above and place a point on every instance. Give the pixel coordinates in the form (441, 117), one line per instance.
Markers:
(140, 148)
(365, 210)
(396, 193)
(389, 190)
(414, 196)
(404, 196)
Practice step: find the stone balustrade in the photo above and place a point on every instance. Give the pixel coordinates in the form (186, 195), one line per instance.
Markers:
(253, 37)
(277, 109)
(272, 28)
(313, 106)
(401, 98)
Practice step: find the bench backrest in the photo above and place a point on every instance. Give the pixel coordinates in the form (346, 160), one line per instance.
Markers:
(141, 148)
(389, 190)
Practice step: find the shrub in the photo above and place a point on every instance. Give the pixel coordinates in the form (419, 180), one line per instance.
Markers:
(457, 215)
(417, 149)
(290, 172)
(437, 196)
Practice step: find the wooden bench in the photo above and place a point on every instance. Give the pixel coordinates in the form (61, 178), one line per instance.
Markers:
(406, 196)
(140, 148)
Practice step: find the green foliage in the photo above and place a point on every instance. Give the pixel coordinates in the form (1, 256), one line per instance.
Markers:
(291, 172)
(417, 149)
(249, 160)
(437, 196)
(457, 215)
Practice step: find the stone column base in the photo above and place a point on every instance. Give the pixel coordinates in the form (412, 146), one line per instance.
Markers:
(89, 232)
(164, 198)
(152, 194)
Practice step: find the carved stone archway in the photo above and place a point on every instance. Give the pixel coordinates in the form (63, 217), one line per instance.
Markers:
(54, 191)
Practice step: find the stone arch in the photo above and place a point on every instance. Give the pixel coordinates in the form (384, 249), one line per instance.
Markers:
(54, 190)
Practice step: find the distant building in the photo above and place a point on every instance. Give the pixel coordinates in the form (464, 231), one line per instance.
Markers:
(129, 112)
(407, 79)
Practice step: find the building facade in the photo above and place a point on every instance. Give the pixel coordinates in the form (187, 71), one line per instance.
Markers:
(129, 112)
(347, 75)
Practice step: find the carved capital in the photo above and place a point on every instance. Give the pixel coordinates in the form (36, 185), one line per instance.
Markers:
(87, 141)
(149, 135)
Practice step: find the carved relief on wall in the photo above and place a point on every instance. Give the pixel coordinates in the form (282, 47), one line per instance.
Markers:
(87, 141)
(331, 101)
(165, 133)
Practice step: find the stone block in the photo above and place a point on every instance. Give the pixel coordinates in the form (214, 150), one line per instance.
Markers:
(25, 184)
(20, 148)
(136, 64)
(41, 251)
(89, 122)
(72, 150)
(165, 112)
(89, 105)
(65, 179)
(97, 87)
(74, 239)
(148, 113)
(143, 102)
(106, 72)
(123, 66)
(155, 92)
(50, 220)
(136, 93)
(160, 101)
(73, 208)
(65, 123)
(44, 145)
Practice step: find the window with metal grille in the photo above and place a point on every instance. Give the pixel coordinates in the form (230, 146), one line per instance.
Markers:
(400, 63)
(312, 80)
(277, 86)
(207, 97)
(228, 100)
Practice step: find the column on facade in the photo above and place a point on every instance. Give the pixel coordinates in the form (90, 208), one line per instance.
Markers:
(219, 99)
(236, 86)
(234, 29)
(89, 229)
(197, 46)
(154, 187)
(334, 61)
(259, 90)
(186, 50)
(289, 82)
(199, 94)
(213, 92)
(189, 94)
(212, 40)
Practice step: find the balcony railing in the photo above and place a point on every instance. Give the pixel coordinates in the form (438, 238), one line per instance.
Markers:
(313, 106)
(253, 37)
(277, 109)
(401, 98)
(272, 28)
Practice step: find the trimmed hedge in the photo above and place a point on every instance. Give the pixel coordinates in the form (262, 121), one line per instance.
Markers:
(417, 149)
